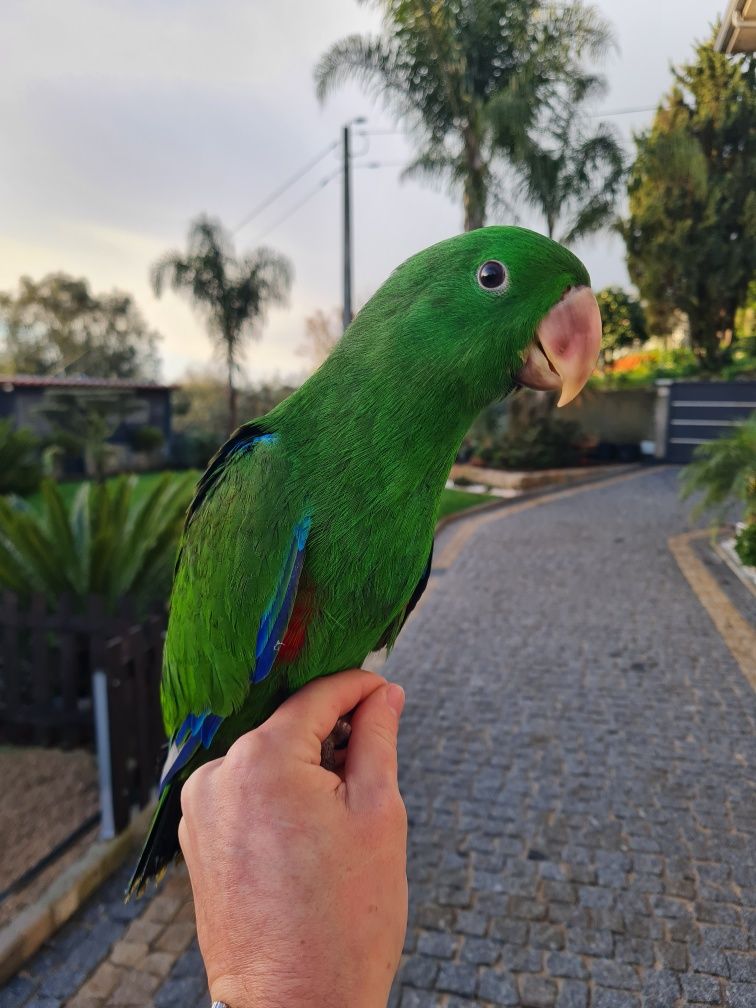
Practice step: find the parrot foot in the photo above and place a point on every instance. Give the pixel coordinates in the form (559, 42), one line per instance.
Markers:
(336, 740)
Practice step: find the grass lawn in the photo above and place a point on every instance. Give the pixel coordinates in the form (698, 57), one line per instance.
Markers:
(68, 488)
(451, 500)
(459, 500)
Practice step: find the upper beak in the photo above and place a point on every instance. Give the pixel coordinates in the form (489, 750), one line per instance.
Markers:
(566, 347)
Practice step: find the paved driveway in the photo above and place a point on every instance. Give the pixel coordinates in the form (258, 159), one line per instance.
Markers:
(577, 757)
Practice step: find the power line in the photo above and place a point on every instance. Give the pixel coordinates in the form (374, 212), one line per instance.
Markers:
(305, 199)
(380, 164)
(321, 185)
(286, 185)
(624, 111)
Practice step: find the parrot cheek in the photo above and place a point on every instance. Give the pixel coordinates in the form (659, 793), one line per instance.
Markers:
(564, 352)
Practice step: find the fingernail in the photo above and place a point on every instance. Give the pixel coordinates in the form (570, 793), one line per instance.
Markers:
(395, 697)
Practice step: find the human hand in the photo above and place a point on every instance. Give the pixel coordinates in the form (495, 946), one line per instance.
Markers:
(299, 873)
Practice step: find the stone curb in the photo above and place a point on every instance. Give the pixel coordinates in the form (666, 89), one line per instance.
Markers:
(734, 629)
(584, 478)
(33, 926)
(533, 479)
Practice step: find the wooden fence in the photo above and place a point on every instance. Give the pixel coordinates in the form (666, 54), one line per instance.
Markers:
(136, 737)
(84, 677)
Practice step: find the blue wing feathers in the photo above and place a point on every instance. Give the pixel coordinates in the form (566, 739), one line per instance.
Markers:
(268, 654)
(289, 576)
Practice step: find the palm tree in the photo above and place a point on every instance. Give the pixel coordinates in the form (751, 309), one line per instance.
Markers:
(471, 79)
(572, 178)
(232, 293)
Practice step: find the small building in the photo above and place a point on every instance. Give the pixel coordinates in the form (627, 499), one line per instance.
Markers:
(133, 418)
(738, 31)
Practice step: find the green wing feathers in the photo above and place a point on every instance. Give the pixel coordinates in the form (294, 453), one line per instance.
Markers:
(235, 546)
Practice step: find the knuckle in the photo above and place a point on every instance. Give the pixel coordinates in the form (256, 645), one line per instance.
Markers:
(386, 736)
(183, 835)
(398, 810)
(189, 791)
(388, 807)
(245, 750)
(265, 735)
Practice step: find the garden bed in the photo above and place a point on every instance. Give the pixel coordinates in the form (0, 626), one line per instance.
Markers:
(46, 794)
(747, 574)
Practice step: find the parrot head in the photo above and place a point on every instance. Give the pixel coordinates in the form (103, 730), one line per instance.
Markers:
(487, 312)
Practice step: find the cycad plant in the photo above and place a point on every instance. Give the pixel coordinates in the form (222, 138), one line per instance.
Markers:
(724, 471)
(111, 541)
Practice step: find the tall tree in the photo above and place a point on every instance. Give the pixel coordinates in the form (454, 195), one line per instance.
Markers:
(691, 233)
(622, 320)
(323, 331)
(57, 325)
(472, 79)
(232, 293)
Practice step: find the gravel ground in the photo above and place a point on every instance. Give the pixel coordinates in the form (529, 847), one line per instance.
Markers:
(45, 795)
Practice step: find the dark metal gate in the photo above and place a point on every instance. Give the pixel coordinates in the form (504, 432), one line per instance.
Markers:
(693, 413)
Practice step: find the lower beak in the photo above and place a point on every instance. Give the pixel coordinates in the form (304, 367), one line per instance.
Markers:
(564, 353)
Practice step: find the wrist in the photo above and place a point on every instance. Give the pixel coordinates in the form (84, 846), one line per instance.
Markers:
(233, 994)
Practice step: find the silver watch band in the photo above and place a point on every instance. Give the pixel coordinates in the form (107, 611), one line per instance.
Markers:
(219, 1004)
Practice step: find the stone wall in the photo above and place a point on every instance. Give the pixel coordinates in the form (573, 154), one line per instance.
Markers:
(617, 416)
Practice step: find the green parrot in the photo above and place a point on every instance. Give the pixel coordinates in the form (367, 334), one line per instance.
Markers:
(310, 537)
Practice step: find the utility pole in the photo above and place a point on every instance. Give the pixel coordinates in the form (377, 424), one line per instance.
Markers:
(347, 241)
(347, 315)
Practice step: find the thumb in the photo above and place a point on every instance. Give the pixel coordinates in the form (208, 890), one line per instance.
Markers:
(371, 763)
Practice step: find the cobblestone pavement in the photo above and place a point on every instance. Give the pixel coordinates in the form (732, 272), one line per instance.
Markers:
(577, 760)
(577, 756)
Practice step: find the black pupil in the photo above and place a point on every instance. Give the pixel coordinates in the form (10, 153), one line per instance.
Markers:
(491, 275)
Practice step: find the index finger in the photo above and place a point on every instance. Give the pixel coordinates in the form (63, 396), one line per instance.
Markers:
(310, 714)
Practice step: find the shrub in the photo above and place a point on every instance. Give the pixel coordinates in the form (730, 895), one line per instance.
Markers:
(111, 541)
(724, 471)
(146, 439)
(546, 444)
(20, 460)
(194, 449)
(745, 545)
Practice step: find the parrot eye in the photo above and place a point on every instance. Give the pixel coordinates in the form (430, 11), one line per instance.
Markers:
(492, 276)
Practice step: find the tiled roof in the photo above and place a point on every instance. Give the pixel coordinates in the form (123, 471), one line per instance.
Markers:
(9, 382)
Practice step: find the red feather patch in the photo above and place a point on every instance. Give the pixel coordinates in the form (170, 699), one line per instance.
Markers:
(296, 631)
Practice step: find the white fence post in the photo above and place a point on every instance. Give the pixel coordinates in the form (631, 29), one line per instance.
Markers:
(102, 739)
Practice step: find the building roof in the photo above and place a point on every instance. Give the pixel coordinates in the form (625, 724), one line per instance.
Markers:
(9, 382)
(738, 31)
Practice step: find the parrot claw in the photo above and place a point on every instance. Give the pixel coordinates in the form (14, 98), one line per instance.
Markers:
(336, 740)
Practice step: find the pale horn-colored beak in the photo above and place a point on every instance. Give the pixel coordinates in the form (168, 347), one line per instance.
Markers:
(566, 347)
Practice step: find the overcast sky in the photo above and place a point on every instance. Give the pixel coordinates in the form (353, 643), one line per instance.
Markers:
(122, 119)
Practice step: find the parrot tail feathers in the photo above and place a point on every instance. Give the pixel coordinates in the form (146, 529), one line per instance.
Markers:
(161, 847)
